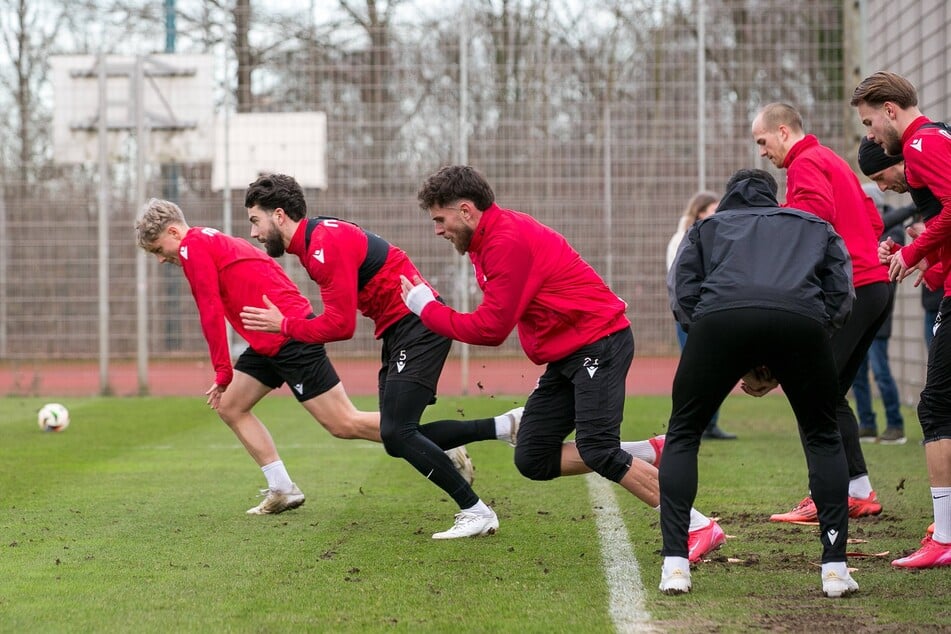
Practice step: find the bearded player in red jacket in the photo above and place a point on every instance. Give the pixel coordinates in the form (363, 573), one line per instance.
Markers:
(226, 273)
(567, 318)
(887, 104)
(359, 270)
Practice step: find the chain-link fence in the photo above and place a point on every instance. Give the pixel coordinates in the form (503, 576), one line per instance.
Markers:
(601, 121)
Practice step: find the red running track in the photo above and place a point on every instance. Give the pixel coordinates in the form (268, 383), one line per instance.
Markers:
(648, 376)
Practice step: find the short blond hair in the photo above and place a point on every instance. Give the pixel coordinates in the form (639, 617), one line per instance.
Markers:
(157, 216)
(777, 114)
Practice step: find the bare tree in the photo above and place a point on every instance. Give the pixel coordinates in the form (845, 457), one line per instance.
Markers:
(28, 35)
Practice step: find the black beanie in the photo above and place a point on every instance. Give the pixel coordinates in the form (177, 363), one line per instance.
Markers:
(872, 158)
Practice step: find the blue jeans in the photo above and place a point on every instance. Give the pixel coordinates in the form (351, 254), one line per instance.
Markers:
(877, 357)
(682, 340)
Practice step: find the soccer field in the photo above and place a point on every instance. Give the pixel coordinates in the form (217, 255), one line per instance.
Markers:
(132, 520)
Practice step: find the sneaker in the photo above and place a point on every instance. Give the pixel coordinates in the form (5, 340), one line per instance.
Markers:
(805, 511)
(657, 442)
(514, 415)
(835, 586)
(892, 436)
(462, 462)
(276, 502)
(703, 541)
(868, 434)
(677, 582)
(715, 433)
(470, 525)
(859, 507)
(931, 555)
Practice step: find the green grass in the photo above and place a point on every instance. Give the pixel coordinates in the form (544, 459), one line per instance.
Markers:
(132, 520)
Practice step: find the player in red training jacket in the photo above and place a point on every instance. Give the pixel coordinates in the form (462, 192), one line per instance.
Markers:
(821, 182)
(359, 270)
(888, 107)
(567, 318)
(225, 274)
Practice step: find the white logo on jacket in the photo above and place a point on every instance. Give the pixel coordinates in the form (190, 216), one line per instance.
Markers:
(319, 255)
(916, 144)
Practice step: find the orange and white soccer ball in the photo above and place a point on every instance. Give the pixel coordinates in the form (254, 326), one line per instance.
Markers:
(53, 417)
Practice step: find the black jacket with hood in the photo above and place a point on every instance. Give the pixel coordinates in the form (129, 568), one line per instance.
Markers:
(752, 253)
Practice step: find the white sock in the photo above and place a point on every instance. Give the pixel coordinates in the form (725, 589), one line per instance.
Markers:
(861, 487)
(503, 427)
(839, 567)
(697, 519)
(479, 508)
(676, 563)
(277, 477)
(941, 499)
(640, 449)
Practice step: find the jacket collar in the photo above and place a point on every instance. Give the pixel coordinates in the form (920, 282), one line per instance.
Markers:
(799, 147)
(486, 220)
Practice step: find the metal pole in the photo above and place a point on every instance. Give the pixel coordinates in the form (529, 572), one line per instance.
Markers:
(463, 159)
(226, 188)
(103, 230)
(141, 282)
(701, 94)
(3, 272)
(608, 186)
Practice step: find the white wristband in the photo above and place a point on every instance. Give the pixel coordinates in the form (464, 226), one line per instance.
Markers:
(418, 298)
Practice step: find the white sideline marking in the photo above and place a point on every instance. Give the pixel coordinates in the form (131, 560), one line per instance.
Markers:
(626, 593)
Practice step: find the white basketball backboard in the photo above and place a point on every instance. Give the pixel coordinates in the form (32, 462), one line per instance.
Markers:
(177, 98)
(292, 143)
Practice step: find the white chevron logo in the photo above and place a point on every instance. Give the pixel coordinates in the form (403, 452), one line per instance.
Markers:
(319, 255)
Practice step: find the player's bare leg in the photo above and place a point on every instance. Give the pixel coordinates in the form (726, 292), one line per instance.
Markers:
(335, 411)
(235, 410)
(704, 535)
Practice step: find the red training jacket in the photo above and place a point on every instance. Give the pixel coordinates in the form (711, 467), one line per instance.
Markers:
(225, 274)
(337, 248)
(531, 277)
(927, 153)
(819, 181)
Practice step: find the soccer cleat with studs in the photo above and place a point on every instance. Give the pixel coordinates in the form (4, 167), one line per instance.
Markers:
(675, 582)
(462, 462)
(932, 554)
(805, 511)
(835, 586)
(470, 525)
(859, 507)
(277, 502)
(704, 541)
(515, 418)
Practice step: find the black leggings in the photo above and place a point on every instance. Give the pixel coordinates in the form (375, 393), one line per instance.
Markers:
(850, 345)
(721, 348)
(401, 406)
